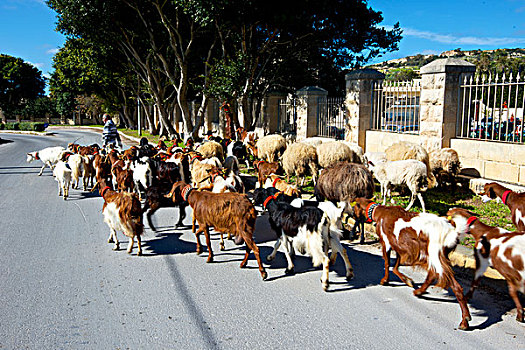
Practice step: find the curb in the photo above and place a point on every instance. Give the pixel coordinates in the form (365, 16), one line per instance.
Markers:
(131, 140)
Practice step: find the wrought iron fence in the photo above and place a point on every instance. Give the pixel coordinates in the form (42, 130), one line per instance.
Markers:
(491, 108)
(395, 106)
(331, 117)
(287, 115)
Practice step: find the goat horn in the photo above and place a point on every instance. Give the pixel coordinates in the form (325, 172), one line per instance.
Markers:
(94, 186)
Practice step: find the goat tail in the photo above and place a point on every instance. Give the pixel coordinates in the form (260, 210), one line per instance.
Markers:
(447, 274)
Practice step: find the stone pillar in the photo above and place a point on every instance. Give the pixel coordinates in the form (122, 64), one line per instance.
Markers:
(307, 110)
(358, 103)
(439, 100)
(271, 112)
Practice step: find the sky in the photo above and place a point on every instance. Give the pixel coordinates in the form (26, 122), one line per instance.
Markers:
(27, 27)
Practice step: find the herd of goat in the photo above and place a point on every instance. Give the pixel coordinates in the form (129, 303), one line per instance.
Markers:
(206, 177)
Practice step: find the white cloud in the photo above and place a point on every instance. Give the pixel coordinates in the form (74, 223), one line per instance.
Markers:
(52, 51)
(39, 65)
(462, 40)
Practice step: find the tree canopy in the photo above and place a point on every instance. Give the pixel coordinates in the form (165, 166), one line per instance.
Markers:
(186, 51)
(20, 83)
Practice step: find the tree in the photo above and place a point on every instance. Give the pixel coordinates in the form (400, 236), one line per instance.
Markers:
(20, 83)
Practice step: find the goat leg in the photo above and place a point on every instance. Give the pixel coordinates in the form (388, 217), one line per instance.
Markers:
(420, 197)
(139, 246)
(42, 170)
(130, 244)
(287, 247)
(386, 258)
(458, 292)
(408, 281)
(208, 243)
(513, 292)
(324, 277)
(275, 248)
(182, 215)
(198, 239)
(431, 277)
(338, 248)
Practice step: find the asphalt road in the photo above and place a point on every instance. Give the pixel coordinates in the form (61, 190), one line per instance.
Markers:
(62, 287)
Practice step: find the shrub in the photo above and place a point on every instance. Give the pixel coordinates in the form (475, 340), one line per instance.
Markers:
(12, 126)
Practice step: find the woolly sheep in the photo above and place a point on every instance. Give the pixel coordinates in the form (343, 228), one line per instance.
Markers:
(409, 172)
(271, 147)
(357, 150)
(445, 165)
(329, 153)
(344, 182)
(300, 160)
(408, 150)
(211, 149)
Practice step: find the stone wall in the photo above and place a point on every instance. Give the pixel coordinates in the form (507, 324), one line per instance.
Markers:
(492, 160)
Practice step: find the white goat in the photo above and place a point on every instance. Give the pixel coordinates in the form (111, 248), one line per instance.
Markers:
(49, 156)
(142, 175)
(410, 172)
(62, 173)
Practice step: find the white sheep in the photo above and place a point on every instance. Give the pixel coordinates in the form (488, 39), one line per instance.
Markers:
(62, 174)
(49, 156)
(271, 147)
(409, 150)
(300, 160)
(329, 153)
(410, 172)
(375, 157)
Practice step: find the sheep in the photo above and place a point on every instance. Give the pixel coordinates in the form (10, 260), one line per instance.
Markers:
(409, 150)
(445, 165)
(300, 160)
(329, 153)
(211, 149)
(200, 173)
(271, 147)
(358, 150)
(49, 156)
(374, 157)
(62, 173)
(409, 172)
(344, 182)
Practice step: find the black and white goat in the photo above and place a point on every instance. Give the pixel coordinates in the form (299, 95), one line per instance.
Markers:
(308, 230)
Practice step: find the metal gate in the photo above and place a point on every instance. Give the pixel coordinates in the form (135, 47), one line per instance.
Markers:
(331, 117)
(287, 115)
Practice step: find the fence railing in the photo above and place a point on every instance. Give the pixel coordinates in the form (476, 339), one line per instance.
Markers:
(491, 108)
(395, 106)
(287, 115)
(331, 117)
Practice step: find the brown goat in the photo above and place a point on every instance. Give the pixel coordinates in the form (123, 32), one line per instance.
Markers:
(515, 202)
(226, 212)
(264, 169)
(122, 212)
(282, 186)
(502, 249)
(419, 239)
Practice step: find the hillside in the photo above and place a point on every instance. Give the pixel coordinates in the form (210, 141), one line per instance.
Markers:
(473, 56)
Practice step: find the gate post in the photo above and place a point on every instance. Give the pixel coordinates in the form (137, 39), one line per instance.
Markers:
(308, 110)
(440, 84)
(270, 113)
(358, 102)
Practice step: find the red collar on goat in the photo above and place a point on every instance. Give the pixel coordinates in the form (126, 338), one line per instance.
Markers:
(471, 220)
(267, 200)
(186, 192)
(275, 181)
(104, 190)
(213, 176)
(259, 163)
(369, 212)
(36, 156)
(505, 195)
(195, 157)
